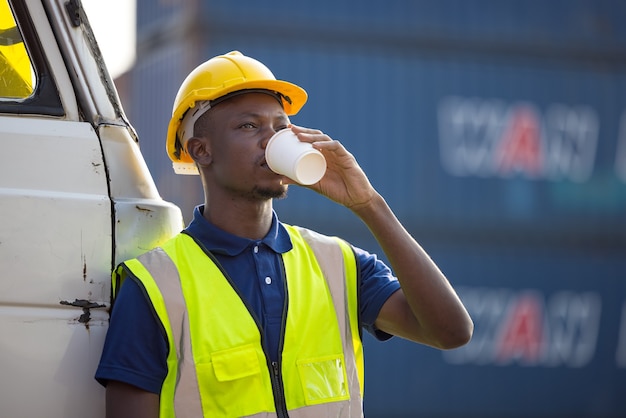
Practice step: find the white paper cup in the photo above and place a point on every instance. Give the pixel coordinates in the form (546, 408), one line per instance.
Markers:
(287, 155)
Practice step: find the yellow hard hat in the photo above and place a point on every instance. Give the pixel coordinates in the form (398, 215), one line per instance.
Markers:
(216, 78)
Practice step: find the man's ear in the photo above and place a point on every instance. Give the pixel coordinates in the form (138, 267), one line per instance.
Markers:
(199, 150)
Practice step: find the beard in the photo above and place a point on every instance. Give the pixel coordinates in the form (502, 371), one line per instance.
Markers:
(269, 193)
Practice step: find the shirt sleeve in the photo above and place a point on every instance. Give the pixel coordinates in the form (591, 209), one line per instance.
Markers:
(135, 349)
(377, 284)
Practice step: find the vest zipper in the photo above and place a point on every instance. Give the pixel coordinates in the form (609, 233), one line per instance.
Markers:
(277, 378)
(279, 391)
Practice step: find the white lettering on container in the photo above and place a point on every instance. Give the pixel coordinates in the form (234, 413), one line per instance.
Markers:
(491, 138)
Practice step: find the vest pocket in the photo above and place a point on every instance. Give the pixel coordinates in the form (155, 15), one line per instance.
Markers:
(235, 363)
(232, 384)
(323, 379)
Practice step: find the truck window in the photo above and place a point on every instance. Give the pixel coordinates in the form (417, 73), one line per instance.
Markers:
(27, 86)
(17, 78)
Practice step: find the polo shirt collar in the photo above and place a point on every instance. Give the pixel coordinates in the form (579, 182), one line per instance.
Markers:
(218, 241)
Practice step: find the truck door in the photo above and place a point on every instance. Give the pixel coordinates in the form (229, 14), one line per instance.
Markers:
(76, 198)
(56, 246)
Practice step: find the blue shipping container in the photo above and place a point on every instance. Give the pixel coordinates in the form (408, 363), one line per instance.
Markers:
(496, 129)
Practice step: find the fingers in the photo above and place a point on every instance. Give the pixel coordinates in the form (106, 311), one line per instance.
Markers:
(301, 129)
(310, 135)
(320, 140)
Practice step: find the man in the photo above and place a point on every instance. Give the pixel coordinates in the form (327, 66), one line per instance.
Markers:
(242, 315)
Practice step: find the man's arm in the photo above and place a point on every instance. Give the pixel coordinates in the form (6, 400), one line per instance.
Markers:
(127, 401)
(426, 309)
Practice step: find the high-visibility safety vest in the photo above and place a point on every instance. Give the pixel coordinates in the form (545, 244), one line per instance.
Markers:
(218, 363)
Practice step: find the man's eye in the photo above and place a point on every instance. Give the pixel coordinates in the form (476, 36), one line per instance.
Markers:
(248, 125)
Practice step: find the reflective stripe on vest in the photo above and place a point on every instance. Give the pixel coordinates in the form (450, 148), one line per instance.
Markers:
(315, 385)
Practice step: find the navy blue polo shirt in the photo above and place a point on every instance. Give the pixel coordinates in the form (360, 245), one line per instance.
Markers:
(135, 349)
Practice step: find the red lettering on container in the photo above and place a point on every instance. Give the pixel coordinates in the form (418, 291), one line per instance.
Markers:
(520, 147)
(522, 332)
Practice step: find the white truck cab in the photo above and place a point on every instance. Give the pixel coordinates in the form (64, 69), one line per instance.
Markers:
(76, 198)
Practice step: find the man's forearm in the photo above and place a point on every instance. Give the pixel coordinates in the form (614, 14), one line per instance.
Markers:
(442, 320)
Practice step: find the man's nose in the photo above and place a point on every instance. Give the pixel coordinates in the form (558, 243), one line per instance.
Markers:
(268, 135)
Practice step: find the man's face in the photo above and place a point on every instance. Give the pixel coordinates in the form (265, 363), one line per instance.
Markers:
(238, 130)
